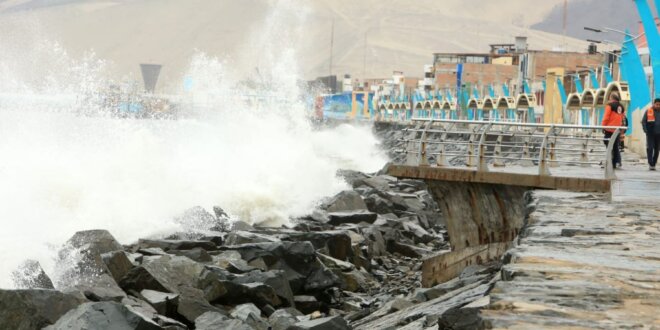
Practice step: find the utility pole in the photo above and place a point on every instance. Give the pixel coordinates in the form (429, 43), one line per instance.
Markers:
(364, 63)
(332, 43)
(565, 21)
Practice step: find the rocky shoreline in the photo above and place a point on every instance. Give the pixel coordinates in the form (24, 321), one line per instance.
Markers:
(354, 263)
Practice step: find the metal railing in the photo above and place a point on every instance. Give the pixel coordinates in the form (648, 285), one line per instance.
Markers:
(482, 144)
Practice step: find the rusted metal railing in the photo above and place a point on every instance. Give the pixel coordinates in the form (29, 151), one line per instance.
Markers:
(486, 144)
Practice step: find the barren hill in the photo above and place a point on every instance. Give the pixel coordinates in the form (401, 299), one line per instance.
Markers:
(371, 37)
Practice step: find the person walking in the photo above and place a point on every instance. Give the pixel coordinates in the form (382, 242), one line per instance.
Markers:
(614, 116)
(651, 126)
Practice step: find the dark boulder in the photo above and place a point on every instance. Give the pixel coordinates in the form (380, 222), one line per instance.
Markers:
(377, 204)
(230, 293)
(246, 237)
(164, 303)
(192, 304)
(297, 259)
(101, 287)
(167, 245)
(173, 271)
(380, 183)
(117, 263)
(321, 279)
(139, 278)
(275, 279)
(307, 304)
(354, 217)
(196, 254)
(376, 245)
(335, 243)
(34, 309)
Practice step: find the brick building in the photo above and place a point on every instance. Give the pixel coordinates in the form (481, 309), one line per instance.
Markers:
(509, 63)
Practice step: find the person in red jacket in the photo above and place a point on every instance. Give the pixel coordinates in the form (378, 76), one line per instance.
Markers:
(651, 126)
(614, 116)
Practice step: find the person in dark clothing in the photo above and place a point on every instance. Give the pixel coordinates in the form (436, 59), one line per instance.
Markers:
(614, 117)
(651, 126)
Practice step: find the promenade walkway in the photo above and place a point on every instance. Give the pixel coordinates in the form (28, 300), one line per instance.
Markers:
(585, 262)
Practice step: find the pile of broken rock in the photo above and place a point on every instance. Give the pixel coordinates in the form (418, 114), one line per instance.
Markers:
(354, 260)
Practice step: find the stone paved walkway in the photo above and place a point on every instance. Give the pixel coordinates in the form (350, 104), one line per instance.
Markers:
(585, 263)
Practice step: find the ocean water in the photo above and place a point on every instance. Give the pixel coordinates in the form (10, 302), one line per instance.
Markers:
(66, 165)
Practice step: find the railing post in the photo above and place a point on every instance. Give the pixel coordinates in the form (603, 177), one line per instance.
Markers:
(526, 146)
(411, 143)
(442, 158)
(609, 164)
(470, 151)
(553, 151)
(483, 162)
(543, 153)
(422, 159)
(584, 155)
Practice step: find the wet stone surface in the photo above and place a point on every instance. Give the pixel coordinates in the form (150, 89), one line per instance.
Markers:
(583, 262)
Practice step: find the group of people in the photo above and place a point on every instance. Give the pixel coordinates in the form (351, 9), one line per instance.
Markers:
(615, 116)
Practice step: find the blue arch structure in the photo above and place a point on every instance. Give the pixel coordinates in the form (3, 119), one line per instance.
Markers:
(632, 70)
(653, 39)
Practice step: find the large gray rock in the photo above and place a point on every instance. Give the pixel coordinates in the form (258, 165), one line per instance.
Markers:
(377, 204)
(34, 309)
(139, 278)
(282, 319)
(348, 200)
(334, 243)
(164, 303)
(192, 304)
(298, 260)
(94, 243)
(245, 237)
(326, 323)
(381, 183)
(90, 274)
(216, 321)
(143, 308)
(167, 245)
(117, 263)
(251, 315)
(275, 279)
(101, 287)
(164, 274)
(30, 275)
(196, 254)
(376, 245)
(230, 293)
(102, 316)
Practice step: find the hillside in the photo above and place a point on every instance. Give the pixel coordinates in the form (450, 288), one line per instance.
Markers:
(398, 36)
(614, 14)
